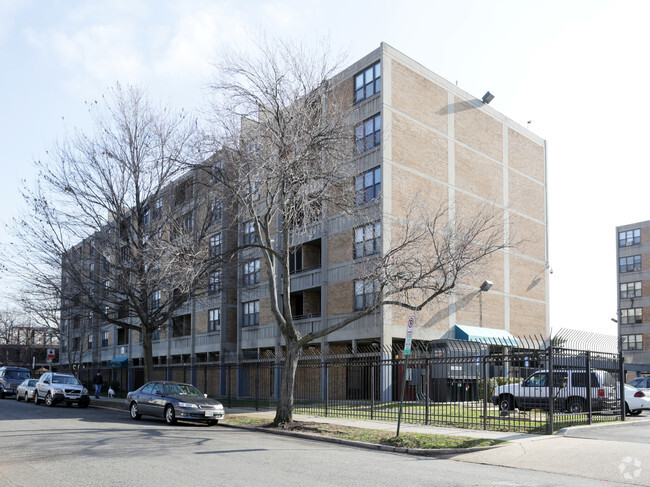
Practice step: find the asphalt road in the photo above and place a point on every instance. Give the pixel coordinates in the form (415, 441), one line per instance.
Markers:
(70, 446)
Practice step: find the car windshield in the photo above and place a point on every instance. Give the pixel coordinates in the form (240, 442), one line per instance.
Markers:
(65, 379)
(17, 374)
(31, 383)
(185, 390)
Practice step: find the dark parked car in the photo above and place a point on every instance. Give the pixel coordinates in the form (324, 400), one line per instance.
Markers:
(54, 388)
(10, 379)
(172, 401)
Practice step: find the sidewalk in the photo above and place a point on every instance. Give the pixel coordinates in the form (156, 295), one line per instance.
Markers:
(587, 458)
(115, 403)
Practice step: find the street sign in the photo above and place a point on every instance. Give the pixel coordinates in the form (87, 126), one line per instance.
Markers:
(409, 335)
(51, 353)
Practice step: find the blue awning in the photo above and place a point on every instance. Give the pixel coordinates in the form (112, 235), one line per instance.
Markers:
(118, 363)
(491, 336)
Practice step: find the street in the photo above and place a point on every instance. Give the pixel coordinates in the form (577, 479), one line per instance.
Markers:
(71, 446)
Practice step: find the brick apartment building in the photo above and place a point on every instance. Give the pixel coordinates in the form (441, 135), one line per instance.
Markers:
(633, 279)
(420, 134)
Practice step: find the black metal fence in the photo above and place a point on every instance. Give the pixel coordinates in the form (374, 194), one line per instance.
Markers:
(528, 386)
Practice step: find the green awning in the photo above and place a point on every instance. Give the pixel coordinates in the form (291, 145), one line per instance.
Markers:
(118, 363)
(491, 336)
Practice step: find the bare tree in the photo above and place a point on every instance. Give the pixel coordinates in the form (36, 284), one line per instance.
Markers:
(116, 225)
(286, 127)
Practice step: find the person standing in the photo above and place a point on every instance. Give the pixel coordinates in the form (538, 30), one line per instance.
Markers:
(98, 381)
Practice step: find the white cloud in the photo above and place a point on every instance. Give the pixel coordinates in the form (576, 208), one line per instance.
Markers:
(9, 10)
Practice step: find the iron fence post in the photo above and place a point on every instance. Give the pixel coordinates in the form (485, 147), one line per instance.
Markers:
(551, 395)
(257, 386)
(228, 381)
(372, 390)
(621, 380)
(485, 391)
(589, 392)
(427, 376)
(327, 388)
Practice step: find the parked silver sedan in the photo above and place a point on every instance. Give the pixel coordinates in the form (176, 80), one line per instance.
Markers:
(26, 390)
(173, 401)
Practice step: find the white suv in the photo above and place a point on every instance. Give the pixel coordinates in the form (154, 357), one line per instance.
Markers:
(569, 392)
(53, 388)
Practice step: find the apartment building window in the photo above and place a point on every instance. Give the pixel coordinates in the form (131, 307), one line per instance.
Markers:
(104, 339)
(368, 185)
(367, 83)
(157, 209)
(629, 237)
(155, 300)
(214, 320)
(90, 342)
(215, 211)
(368, 133)
(182, 193)
(145, 216)
(629, 264)
(155, 336)
(251, 313)
(249, 236)
(251, 272)
(365, 293)
(630, 290)
(367, 240)
(295, 259)
(631, 316)
(632, 342)
(215, 245)
(214, 282)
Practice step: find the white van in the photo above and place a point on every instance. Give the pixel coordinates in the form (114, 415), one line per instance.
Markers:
(569, 392)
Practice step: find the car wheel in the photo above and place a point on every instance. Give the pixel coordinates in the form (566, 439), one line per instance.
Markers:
(49, 400)
(170, 414)
(213, 422)
(36, 400)
(83, 403)
(506, 403)
(576, 406)
(635, 412)
(2, 393)
(17, 396)
(133, 410)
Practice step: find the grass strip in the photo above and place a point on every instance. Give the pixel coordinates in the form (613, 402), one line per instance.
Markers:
(377, 437)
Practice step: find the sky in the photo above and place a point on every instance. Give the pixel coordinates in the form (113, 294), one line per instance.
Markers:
(576, 70)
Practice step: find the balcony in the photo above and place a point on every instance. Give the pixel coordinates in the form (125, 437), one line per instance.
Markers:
(251, 336)
(181, 345)
(207, 342)
(306, 279)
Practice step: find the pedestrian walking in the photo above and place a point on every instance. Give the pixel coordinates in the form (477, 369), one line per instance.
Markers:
(98, 381)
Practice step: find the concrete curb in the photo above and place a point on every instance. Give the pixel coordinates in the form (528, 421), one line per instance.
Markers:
(369, 446)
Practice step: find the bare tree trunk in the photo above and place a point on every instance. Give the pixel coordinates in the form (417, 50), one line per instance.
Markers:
(147, 335)
(284, 412)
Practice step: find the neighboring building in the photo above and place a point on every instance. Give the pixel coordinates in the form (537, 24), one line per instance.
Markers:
(25, 346)
(633, 294)
(416, 133)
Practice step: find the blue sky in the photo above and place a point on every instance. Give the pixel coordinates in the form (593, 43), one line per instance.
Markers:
(577, 70)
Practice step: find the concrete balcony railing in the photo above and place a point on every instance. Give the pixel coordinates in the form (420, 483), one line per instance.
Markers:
(306, 279)
(207, 342)
(251, 336)
(181, 345)
(639, 357)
